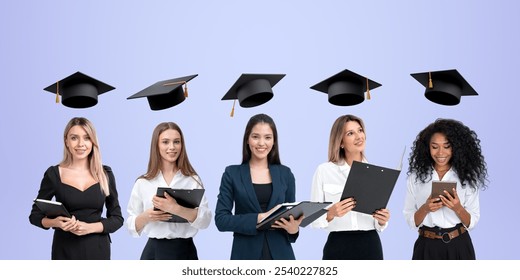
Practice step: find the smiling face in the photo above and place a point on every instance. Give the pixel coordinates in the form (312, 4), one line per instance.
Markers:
(353, 140)
(170, 145)
(260, 141)
(440, 151)
(78, 143)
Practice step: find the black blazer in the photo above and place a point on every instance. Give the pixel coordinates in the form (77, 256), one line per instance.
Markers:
(236, 188)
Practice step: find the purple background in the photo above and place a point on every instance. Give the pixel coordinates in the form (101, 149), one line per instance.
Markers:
(132, 44)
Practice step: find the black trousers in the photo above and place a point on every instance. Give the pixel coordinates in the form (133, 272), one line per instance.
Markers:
(459, 248)
(353, 245)
(169, 249)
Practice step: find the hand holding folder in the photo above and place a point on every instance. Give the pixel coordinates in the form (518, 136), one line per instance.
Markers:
(52, 209)
(310, 210)
(370, 185)
(185, 198)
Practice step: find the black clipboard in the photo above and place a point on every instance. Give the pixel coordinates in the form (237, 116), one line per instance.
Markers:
(311, 211)
(184, 197)
(52, 209)
(370, 185)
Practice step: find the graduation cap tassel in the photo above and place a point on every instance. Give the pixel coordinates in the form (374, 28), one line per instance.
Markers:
(57, 92)
(185, 89)
(233, 109)
(430, 82)
(368, 91)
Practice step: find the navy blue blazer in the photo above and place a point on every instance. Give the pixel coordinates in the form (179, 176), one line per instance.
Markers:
(236, 188)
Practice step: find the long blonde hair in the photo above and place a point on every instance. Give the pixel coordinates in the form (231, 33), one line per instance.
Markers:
(94, 158)
(154, 163)
(336, 154)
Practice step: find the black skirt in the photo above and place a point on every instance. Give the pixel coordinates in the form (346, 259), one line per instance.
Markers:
(68, 246)
(169, 249)
(459, 248)
(353, 245)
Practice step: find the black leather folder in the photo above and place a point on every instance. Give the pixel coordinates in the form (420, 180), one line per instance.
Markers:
(310, 210)
(52, 209)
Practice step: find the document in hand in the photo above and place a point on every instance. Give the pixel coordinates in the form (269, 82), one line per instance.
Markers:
(184, 197)
(52, 209)
(370, 185)
(306, 208)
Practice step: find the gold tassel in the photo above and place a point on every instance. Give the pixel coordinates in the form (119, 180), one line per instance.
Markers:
(233, 109)
(368, 91)
(179, 82)
(430, 82)
(58, 92)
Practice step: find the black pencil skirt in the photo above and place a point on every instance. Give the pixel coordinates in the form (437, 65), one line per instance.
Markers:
(169, 249)
(68, 246)
(459, 248)
(353, 245)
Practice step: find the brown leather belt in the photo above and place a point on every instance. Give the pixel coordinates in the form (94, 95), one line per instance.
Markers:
(446, 237)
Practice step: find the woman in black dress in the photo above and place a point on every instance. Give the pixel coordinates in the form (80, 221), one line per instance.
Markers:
(84, 186)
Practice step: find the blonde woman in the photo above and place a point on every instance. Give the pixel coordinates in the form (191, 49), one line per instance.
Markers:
(352, 235)
(84, 186)
(168, 167)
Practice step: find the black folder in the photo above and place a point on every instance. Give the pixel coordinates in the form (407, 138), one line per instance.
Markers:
(52, 209)
(311, 211)
(370, 185)
(184, 197)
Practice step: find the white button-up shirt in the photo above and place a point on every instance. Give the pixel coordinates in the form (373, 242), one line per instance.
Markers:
(419, 192)
(327, 185)
(141, 200)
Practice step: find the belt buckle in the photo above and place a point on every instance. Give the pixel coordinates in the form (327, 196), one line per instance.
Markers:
(446, 238)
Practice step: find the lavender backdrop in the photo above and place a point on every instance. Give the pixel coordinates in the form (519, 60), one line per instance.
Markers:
(132, 44)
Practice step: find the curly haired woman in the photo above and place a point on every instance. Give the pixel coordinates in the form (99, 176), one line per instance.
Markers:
(447, 151)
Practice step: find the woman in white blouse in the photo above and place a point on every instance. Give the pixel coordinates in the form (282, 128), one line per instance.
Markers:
(352, 235)
(168, 166)
(448, 151)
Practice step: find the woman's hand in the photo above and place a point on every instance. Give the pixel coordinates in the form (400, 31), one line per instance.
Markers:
(432, 204)
(452, 202)
(153, 215)
(382, 216)
(65, 223)
(292, 226)
(166, 203)
(339, 209)
(83, 228)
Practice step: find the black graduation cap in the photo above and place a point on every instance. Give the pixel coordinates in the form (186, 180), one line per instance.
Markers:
(78, 90)
(346, 88)
(165, 94)
(252, 89)
(444, 87)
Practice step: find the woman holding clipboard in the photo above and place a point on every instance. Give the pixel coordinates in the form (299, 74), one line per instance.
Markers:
(445, 151)
(168, 167)
(84, 186)
(352, 235)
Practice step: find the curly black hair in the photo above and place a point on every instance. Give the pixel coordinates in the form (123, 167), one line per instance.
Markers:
(466, 159)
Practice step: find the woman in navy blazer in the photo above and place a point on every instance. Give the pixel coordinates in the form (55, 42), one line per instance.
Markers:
(253, 187)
